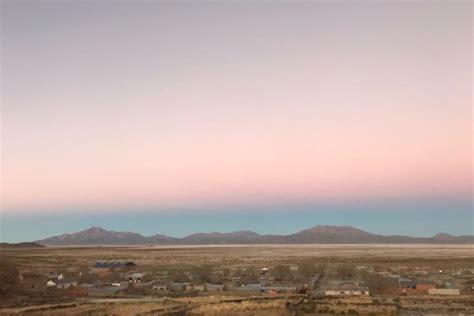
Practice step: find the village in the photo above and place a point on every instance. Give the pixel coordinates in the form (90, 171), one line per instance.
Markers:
(320, 284)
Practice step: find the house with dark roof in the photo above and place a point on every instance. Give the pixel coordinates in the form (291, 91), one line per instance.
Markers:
(257, 287)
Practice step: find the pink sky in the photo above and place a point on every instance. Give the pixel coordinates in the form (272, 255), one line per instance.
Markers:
(272, 103)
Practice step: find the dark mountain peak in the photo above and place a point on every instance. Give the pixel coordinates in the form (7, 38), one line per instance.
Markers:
(94, 230)
(329, 229)
(444, 237)
(245, 233)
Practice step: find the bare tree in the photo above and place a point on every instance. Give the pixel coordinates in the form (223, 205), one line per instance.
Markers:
(347, 271)
(203, 273)
(281, 272)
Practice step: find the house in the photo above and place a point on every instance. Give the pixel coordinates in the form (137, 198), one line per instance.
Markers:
(65, 284)
(177, 286)
(159, 287)
(195, 288)
(421, 272)
(53, 275)
(408, 286)
(136, 277)
(104, 291)
(346, 288)
(50, 283)
(114, 264)
(214, 287)
(406, 283)
(252, 288)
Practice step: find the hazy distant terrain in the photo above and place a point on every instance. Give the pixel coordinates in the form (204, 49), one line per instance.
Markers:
(20, 245)
(315, 235)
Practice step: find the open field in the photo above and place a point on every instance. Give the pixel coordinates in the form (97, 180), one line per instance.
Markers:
(233, 255)
(439, 265)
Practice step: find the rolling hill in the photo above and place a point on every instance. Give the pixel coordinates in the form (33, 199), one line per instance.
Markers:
(315, 235)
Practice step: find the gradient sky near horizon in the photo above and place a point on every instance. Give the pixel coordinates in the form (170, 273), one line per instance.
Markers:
(239, 108)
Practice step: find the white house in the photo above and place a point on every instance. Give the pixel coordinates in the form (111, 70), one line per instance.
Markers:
(346, 288)
(50, 283)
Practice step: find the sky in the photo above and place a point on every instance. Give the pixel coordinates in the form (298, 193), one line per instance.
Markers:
(181, 116)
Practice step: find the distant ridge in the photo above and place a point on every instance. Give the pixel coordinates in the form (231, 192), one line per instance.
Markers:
(315, 235)
(20, 245)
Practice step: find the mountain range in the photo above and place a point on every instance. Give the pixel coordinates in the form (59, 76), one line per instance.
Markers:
(315, 235)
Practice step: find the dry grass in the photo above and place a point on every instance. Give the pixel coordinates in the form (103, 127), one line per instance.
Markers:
(171, 257)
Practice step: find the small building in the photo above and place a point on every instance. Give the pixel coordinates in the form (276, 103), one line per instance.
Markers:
(65, 284)
(53, 275)
(195, 288)
(104, 291)
(405, 283)
(136, 277)
(50, 283)
(177, 286)
(421, 272)
(346, 288)
(444, 292)
(159, 287)
(252, 288)
(408, 286)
